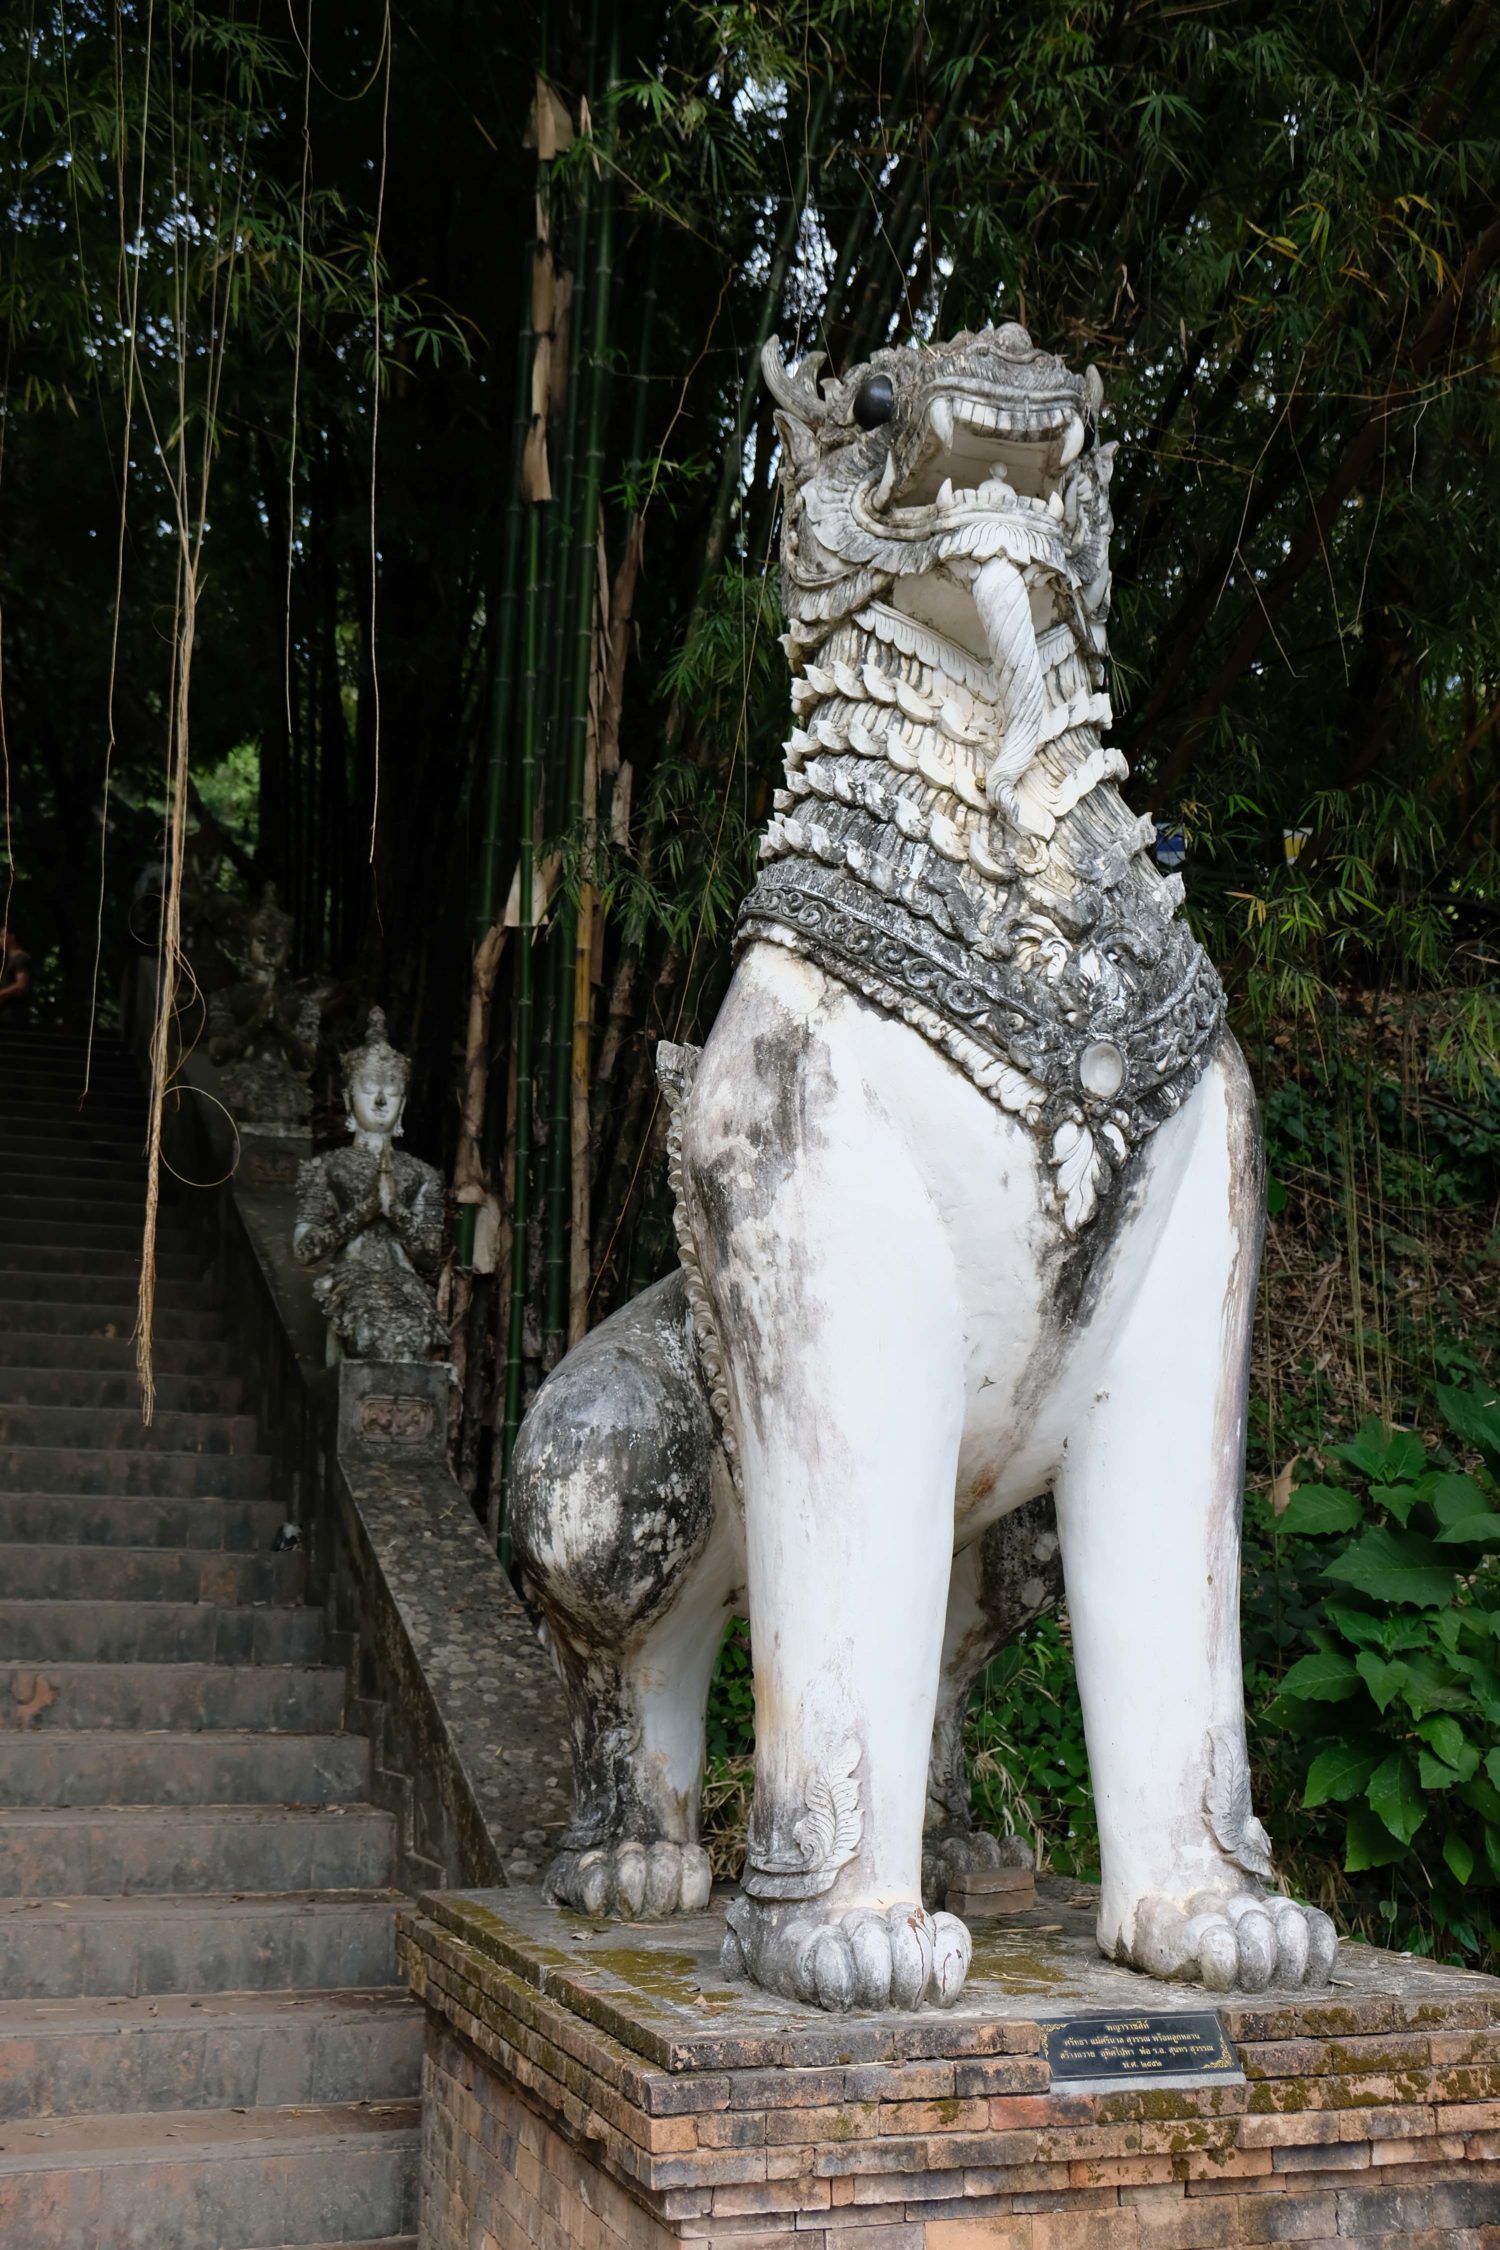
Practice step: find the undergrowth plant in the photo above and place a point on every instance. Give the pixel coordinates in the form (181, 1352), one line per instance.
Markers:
(1388, 1584)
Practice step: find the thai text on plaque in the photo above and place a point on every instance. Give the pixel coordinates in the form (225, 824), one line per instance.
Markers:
(1192, 2044)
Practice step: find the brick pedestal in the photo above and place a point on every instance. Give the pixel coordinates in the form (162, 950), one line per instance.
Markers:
(593, 2087)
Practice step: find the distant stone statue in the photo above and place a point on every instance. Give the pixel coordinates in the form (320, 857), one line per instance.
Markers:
(377, 1215)
(969, 1196)
(262, 1032)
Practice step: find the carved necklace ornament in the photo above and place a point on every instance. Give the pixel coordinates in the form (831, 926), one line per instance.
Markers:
(950, 841)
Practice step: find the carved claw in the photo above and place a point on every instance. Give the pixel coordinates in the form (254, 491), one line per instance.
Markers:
(1243, 1941)
(858, 1957)
(629, 1880)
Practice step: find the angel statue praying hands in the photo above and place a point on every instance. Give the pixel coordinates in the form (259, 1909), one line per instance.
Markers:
(377, 1214)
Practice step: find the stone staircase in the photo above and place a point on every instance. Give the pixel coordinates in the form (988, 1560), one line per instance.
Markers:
(202, 2042)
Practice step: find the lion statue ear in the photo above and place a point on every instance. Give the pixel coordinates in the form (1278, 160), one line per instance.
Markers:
(1093, 389)
(795, 389)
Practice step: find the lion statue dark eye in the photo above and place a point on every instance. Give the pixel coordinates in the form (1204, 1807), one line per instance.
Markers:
(874, 401)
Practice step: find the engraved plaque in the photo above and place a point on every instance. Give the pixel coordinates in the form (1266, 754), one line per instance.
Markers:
(1190, 2045)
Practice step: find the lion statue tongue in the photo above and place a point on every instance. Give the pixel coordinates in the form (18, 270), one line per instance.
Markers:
(1004, 605)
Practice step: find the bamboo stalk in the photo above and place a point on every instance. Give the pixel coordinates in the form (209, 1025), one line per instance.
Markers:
(469, 1173)
(579, 1171)
(537, 494)
(562, 1191)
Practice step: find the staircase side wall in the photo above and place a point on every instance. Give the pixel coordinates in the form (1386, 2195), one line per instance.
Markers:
(449, 1680)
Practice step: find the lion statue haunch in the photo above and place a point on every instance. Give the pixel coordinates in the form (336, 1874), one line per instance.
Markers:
(969, 1193)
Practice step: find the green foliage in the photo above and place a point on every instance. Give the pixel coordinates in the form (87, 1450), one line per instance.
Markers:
(731, 1700)
(1024, 1737)
(1394, 1709)
(231, 791)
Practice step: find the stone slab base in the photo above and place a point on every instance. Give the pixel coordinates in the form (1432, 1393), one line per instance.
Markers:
(593, 2087)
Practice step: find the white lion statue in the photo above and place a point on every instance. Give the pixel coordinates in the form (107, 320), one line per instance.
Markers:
(969, 1196)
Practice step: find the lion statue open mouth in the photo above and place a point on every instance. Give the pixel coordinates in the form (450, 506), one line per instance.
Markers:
(969, 1199)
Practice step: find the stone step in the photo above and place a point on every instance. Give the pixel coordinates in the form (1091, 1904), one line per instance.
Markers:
(216, 2180)
(73, 1144)
(102, 1948)
(92, 1386)
(172, 1356)
(74, 1134)
(65, 1519)
(112, 1319)
(112, 1427)
(34, 1285)
(77, 2058)
(68, 1170)
(87, 1236)
(119, 1850)
(111, 1767)
(43, 1196)
(150, 1574)
(58, 1698)
(73, 1094)
(42, 1044)
(31, 1247)
(72, 1090)
(146, 1632)
(136, 1470)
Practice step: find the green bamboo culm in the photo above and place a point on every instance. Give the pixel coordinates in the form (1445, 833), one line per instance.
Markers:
(589, 479)
(487, 892)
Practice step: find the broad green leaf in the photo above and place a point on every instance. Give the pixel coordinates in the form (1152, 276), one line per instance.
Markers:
(1451, 1496)
(1433, 1774)
(1405, 1457)
(1401, 1632)
(1492, 1849)
(1395, 1793)
(1357, 1625)
(1458, 1855)
(1492, 1766)
(1315, 1508)
(1482, 1797)
(1324, 1678)
(1448, 1628)
(1366, 1450)
(1396, 1566)
(1384, 1681)
(1368, 1842)
(1446, 1737)
(1398, 1500)
(1484, 1683)
(1474, 1416)
(1471, 1531)
(1339, 1773)
(1430, 1686)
